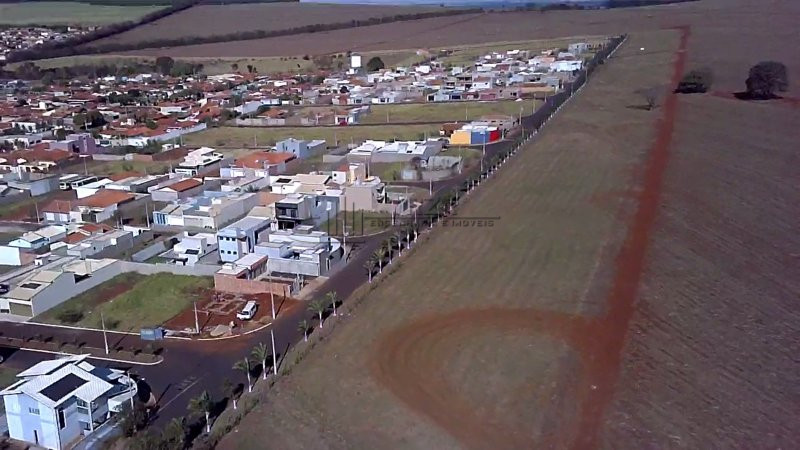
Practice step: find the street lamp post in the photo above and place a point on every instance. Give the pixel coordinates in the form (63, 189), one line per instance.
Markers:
(272, 294)
(105, 336)
(274, 356)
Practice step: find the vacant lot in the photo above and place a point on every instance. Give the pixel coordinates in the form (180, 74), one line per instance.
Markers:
(131, 301)
(474, 340)
(447, 112)
(69, 13)
(207, 20)
(248, 137)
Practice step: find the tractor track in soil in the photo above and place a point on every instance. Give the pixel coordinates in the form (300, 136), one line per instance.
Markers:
(402, 363)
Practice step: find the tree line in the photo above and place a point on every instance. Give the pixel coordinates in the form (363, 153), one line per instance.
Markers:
(79, 45)
(70, 46)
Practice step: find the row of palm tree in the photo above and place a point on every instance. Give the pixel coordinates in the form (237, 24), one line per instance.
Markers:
(318, 307)
(394, 244)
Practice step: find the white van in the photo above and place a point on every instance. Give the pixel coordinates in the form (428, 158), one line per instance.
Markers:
(248, 312)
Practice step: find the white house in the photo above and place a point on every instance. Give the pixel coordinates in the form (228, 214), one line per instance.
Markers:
(56, 402)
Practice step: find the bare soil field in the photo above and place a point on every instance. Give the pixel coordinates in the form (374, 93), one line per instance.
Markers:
(730, 35)
(639, 290)
(204, 20)
(480, 339)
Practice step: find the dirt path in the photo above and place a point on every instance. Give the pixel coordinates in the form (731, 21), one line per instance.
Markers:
(403, 364)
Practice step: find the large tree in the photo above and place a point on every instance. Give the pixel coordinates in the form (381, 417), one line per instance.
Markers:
(766, 79)
(374, 64)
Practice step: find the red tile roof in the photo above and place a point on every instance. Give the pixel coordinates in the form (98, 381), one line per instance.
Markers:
(185, 185)
(104, 198)
(256, 160)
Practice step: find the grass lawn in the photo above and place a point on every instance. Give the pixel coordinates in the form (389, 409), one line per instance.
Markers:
(366, 222)
(407, 367)
(446, 112)
(69, 13)
(243, 137)
(131, 301)
(113, 167)
(7, 377)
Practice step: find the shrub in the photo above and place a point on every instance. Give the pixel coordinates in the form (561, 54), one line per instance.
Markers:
(70, 316)
(696, 81)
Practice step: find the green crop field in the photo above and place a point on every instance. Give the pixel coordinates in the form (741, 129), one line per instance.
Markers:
(69, 13)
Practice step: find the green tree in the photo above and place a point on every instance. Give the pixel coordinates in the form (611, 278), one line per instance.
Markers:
(378, 256)
(202, 405)
(174, 435)
(164, 64)
(303, 327)
(375, 64)
(261, 353)
(369, 266)
(232, 390)
(244, 366)
(331, 299)
(318, 307)
(766, 79)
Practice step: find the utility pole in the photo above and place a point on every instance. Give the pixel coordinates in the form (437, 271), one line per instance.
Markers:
(105, 336)
(430, 186)
(196, 321)
(274, 356)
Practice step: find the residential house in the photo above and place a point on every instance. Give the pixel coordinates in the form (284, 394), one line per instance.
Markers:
(301, 149)
(191, 248)
(211, 210)
(201, 161)
(240, 237)
(300, 251)
(55, 402)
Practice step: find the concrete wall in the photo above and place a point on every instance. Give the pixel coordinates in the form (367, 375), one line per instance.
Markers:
(241, 286)
(205, 270)
(150, 251)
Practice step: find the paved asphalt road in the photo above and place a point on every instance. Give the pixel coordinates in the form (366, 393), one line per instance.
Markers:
(190, 367)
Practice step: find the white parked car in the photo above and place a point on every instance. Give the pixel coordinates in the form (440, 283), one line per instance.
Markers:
(248, 312)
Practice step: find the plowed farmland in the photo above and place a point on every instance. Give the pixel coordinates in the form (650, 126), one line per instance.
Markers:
(731, 35)
(481, 338)
(205, 20)
(639, 290)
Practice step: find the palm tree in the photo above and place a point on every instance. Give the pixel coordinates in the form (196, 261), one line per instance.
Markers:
(202, 405)
(369, 266)
(378, 256)
(303, 327)
(408, 236)
(175, 433)
(388, 247)
(244, 366)
(318, 307)
(330, 297)
(232, 391)
(398, 238)
(261, 352)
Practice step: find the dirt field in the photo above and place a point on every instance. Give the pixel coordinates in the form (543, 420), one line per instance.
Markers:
(69, 13)
(234, 18)
(443, 369)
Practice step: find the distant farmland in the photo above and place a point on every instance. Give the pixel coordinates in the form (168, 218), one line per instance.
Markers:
(211, 20)
(69, 13)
